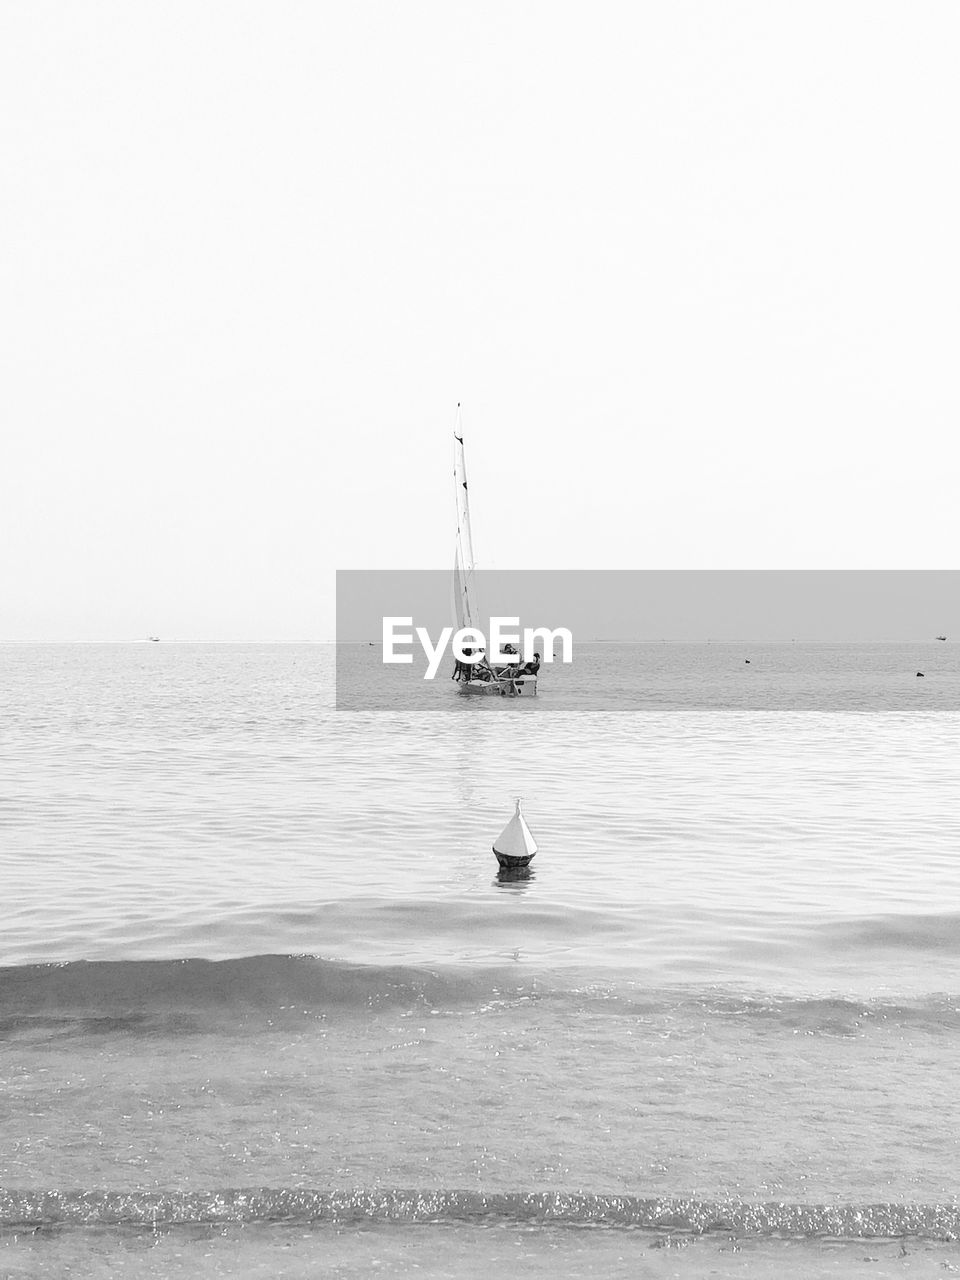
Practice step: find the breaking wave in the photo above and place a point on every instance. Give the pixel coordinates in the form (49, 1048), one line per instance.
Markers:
(271, 982)
(939, 932)
(100, 997)
(155, 1209)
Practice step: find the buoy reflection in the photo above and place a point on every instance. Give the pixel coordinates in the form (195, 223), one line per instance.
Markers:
(514, 876)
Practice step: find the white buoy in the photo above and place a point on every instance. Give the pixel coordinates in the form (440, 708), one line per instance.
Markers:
(515, 846)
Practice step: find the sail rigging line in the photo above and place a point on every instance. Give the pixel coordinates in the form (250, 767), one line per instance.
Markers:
(464, 567)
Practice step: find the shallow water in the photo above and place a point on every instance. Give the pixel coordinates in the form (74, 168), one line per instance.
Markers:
(464, 1249)
(250, 940)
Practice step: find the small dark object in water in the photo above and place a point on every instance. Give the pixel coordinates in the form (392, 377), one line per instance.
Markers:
(920, 673)
(747, 661)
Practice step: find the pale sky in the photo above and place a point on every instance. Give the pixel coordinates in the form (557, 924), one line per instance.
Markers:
(692, 268)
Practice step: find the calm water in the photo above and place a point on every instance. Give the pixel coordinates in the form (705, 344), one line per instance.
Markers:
(251, 941)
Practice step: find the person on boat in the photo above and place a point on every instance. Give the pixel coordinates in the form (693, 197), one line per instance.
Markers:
(531, 668)
(462, 670)
(503, 672)
(481, 669)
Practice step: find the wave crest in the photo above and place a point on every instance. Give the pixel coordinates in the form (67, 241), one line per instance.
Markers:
(155, 1209)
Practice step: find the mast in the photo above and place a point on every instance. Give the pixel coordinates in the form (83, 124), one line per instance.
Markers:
(464, 581)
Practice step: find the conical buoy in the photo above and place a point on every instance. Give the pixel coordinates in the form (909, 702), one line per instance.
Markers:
(515, 846)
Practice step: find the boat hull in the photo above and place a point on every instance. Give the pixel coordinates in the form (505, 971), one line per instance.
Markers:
(480, 688)
(521, 687)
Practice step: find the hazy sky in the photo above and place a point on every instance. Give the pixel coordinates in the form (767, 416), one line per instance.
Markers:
(692, 268)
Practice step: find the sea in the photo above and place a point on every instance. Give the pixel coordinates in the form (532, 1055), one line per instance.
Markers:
(269, 1008)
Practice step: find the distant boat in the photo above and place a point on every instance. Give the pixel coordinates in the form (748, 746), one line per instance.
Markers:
(465, 596)
(941, 637)
(155, 639)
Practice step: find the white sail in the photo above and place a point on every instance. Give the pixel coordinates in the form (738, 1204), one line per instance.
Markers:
(515, 840)
(464, 570)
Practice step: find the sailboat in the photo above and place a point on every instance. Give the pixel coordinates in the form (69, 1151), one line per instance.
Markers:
(484, 680)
